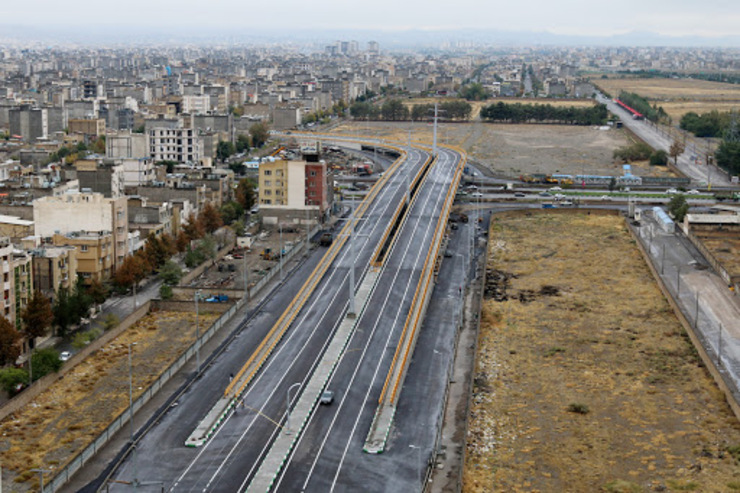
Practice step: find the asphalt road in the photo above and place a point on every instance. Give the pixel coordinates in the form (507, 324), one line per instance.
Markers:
(328, 456)
(231, 457)
(657, 140)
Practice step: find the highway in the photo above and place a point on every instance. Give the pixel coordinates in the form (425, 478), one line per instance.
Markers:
(231, 457)
(334, 437)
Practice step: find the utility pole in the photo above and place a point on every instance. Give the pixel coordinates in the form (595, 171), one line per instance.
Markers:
(436, 113)
(351, 311)
(131, 408)
(719, 347)
(41, 477)
(197, 333)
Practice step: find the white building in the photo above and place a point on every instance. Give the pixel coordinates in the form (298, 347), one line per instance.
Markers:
(181, 145)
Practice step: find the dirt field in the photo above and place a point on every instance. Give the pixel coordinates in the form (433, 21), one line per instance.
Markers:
(66, 418)
(513, 150)
(678, 96)
(585, 381)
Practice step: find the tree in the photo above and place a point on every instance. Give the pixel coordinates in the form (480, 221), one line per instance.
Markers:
(10, 347)
(474, 92)
(132, 271)
(659, 158)
(259, 134)
(63, 312)
(676, 150)
(242, 143)
(394, 109)
(193, 228)
(612, 184)
(182, 242)
(210, 219)
(165, 292)
(224, 149)
(678, 207)
(245, 193)
(170, 273)
(45, 361)
(231, 211)
(37, 317)
(12, 378)
(98, 291)
(728, 156)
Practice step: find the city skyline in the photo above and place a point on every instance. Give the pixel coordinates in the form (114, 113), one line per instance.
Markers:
(654, 23)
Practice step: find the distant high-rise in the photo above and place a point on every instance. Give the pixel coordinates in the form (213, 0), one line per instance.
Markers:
(373, 47)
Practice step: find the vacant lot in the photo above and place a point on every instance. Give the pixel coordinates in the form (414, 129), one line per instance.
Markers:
(678, 96)
(585, 381)
(513, 150)
(62, 421)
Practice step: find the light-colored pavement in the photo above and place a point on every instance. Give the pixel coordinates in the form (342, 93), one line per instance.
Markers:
(705, 300)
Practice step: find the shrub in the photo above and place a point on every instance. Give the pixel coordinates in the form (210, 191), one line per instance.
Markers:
(576, 407)
(10, 378)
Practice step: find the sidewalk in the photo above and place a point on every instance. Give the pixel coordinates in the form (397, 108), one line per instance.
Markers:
(703, 297)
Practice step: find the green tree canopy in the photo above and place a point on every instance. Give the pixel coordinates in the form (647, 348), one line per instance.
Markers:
(259, 134)
(170, 273)
(10, 378)
(394, 110)
(45, 361)
(224, 150)
(678, 207)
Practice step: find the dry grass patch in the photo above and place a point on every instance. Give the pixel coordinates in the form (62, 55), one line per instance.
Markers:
(591, 384)
(516, 149)
(673, 89)
(60, 422)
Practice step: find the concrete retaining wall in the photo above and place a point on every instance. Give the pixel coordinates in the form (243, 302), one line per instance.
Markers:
(44, 383)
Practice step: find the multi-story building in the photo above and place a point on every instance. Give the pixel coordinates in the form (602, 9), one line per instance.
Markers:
(21, 268)
(104, 176)
(174, 144)
(149, 218)
(94, 127)
(94, 253)
(68, 213)
(126, 145)
(28, 122)
(293, 191)
(54, 267)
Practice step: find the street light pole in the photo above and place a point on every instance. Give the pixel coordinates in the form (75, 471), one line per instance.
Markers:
(197, 333)
(246, 283)
(418, 471)
(351, 311)
(41, 477)
(287, 407)
(280, 227)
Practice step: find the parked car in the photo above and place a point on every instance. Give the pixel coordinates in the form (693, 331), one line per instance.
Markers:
(65, 355)
(555, 189)
(476, 194)
(545, 194)
(693, 192)
(520, 194)
(671, 191)
(217, 298)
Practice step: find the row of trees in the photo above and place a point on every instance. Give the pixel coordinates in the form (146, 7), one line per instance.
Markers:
(474, 92)
(728, 152)
(396, 110)
(544, 113)
(653, 112)
(712, 124)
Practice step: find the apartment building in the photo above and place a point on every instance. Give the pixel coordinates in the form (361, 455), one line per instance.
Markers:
(293, 191)
(94, 253)
(69, 213)
(87, 127)
(54, 267)
(181, 145)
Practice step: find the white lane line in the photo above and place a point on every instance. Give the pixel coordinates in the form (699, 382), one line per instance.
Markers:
(377, 204)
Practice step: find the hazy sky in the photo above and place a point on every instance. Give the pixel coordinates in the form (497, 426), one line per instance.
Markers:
(668, 17)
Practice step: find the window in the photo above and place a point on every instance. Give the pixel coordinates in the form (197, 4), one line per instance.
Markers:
(268, 172)
(313, 173)
(268, 183)
(83, 248)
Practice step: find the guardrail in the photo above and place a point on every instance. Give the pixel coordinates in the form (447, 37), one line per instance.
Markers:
(278, 330)
(89, 452)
